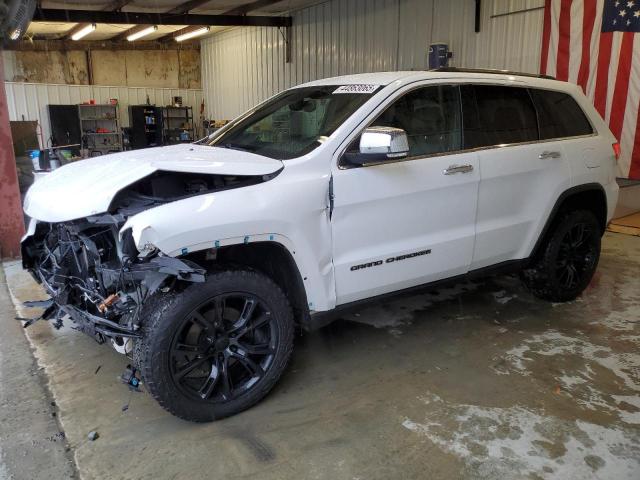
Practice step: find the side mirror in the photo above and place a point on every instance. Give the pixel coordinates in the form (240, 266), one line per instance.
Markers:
(379, 145)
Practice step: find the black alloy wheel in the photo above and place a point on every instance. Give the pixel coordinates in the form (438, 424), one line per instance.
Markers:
(567, 260)
(223, 347)
(215, 348)
(577, 254)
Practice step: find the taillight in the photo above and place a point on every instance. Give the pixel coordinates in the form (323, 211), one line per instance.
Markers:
(616, 150)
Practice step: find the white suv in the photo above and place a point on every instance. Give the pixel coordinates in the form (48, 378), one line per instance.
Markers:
(200, 260)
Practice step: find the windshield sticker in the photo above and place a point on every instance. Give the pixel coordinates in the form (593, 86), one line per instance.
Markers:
(358, 88)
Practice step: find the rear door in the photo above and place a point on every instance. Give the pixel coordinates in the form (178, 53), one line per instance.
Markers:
(520, 175)
(401, 224)
(562, 119)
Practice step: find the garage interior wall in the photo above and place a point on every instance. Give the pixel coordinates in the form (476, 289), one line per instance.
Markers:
(131, 68)
(28, 101)
(243, 66)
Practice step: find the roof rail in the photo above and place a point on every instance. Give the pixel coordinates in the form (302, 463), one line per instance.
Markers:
(490, 71)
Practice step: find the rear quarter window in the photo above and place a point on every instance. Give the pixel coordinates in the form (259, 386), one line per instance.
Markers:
(559, 115)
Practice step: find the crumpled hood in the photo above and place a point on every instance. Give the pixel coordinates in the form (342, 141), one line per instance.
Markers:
(87, 187)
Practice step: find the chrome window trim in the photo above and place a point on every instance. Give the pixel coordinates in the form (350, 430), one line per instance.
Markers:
(458, 152)
(594, 131)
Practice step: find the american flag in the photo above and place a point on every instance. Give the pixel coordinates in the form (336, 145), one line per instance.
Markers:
(593, 43)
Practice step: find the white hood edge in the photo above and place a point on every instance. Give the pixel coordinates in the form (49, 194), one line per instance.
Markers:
(87, 187)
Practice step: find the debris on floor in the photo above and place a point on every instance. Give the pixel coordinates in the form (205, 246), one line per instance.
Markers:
(58, 436)
(93, 436)
(130, 378)
(38, 303)
(51, 311)
(502, 298)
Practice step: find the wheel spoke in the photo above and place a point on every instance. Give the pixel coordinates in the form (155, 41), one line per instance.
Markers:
(252, 326)
(227, 388)
(249, 307)
(571, 273)
(258, 349)
(578, 234)
(243, 320)
(219, 306)
(249, 365)
(202, 321)
(189, 367)
(574, 275)
(212, 380)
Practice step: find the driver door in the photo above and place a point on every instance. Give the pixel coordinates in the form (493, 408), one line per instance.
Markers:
(407, 222)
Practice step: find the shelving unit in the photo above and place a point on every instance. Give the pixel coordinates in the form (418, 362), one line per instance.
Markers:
(177, 125)
(146, 126)
(100, 117)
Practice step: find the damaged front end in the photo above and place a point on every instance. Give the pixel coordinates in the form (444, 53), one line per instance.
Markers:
(91, 267)
(98, 278)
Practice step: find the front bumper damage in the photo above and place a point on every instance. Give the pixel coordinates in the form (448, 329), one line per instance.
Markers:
(96, 277)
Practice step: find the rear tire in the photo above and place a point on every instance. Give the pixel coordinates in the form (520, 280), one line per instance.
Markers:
(215, 348)
(568, 260)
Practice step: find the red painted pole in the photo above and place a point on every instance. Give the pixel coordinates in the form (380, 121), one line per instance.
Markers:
(11, 219)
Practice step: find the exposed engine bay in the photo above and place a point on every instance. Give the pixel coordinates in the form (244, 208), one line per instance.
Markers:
(94, 273)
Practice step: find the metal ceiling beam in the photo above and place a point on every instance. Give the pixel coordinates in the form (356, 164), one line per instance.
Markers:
(114, 6)
(65, 45)
(250, 7)
(240, 10)
(178, 10)
(187, 6)
(144, 18)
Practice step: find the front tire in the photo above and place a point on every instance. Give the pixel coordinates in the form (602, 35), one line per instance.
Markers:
(568, 259)
(215, 348)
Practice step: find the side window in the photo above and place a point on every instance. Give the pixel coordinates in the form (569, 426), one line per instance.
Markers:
(495, 115)
(431, 118)
(559, 115)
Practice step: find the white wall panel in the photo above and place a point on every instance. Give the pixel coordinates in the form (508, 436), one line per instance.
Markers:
(243, 66)
(28, 101)
(511, 42)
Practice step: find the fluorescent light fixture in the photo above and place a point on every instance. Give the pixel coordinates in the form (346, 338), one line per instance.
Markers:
(142, 33)
(192, 34)
(83, 32)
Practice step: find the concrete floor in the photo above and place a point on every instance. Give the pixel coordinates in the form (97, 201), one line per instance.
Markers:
(31, 443)
(476, 381)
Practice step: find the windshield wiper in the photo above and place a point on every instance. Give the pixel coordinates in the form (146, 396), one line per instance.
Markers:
(231, 146)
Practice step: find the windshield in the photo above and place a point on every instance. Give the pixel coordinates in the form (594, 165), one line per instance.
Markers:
(295, 122)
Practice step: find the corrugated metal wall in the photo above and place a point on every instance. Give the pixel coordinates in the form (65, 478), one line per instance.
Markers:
(511, 42)
(243, 66)
(28, 101)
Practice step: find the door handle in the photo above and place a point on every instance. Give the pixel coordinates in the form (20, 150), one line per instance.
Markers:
(544, 155)
(458, 169)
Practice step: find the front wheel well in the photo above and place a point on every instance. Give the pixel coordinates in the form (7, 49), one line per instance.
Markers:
(269, 258)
